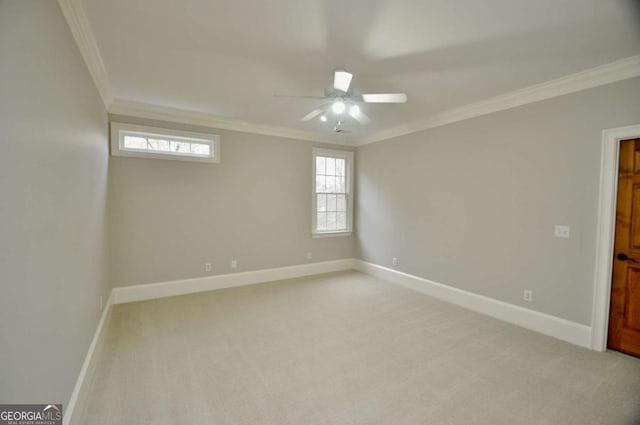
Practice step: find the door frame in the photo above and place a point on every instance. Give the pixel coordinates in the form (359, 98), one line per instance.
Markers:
(607, 201)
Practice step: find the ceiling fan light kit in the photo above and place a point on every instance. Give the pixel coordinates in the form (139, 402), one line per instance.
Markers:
(338, 107)
(340, 100)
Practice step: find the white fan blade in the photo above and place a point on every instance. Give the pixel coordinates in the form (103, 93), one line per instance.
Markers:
(361, 117)
(385, 98)
(311, 115)
(342, 80)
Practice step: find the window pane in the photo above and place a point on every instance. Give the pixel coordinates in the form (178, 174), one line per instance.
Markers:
(152, 144)
(145, 144)
(331, 167)
(320, 165)
(341, 221)
(331, 192)
(330, 184)
(331, 202)
(340, 167)
(321, 223)
(331, 221)
(200, 149)
(162, 145)
(322, 203)
(180, 146)
(131, 142)
(341, 203)
(340, 185)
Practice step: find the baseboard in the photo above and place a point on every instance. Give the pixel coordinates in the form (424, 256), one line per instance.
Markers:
(126, 294)
(556, 327)
(78, 398)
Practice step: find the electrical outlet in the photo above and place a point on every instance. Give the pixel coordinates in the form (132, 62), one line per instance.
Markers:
(101, 302)
(309, 255)
(562, 231)
(394, 261)
(207, 267)
(528, 295)
(234, 264)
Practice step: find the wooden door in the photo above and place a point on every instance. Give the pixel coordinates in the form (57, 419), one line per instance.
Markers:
(624, 314)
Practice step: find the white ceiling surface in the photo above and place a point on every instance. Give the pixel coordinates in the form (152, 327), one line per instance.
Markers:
(229, 57)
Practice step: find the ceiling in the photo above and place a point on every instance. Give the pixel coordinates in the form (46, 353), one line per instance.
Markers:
(227, 58)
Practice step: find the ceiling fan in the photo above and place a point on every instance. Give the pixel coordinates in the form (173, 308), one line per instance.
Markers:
(341, 102)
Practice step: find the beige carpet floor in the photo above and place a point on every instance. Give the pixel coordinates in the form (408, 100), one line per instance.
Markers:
(345, 348)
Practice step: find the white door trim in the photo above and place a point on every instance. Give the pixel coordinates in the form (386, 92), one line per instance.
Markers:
(606, 230)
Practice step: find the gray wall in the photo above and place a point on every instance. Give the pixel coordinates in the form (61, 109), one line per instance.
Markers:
(53, 186)
(473, 204)
(171, 217)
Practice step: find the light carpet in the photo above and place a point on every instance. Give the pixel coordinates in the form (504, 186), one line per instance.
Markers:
(345, 348)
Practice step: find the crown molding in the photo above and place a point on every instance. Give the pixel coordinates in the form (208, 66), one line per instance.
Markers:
(78, 22)
(76, 16)
(590, 78)
(162, 113)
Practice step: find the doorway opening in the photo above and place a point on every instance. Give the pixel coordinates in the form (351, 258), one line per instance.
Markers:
(610, 154)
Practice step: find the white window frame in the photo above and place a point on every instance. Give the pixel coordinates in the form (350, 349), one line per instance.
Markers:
(348, 157)
(120, 130)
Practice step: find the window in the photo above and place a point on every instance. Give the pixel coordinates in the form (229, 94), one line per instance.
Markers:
(151, 142)
(332, 192)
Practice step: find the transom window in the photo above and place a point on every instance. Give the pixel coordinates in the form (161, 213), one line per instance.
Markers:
(150, 142)
(333, 193)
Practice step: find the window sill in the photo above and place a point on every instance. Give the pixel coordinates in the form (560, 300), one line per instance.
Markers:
(330, 234)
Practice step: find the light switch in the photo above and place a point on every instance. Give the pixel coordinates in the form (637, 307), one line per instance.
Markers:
(562, 231)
